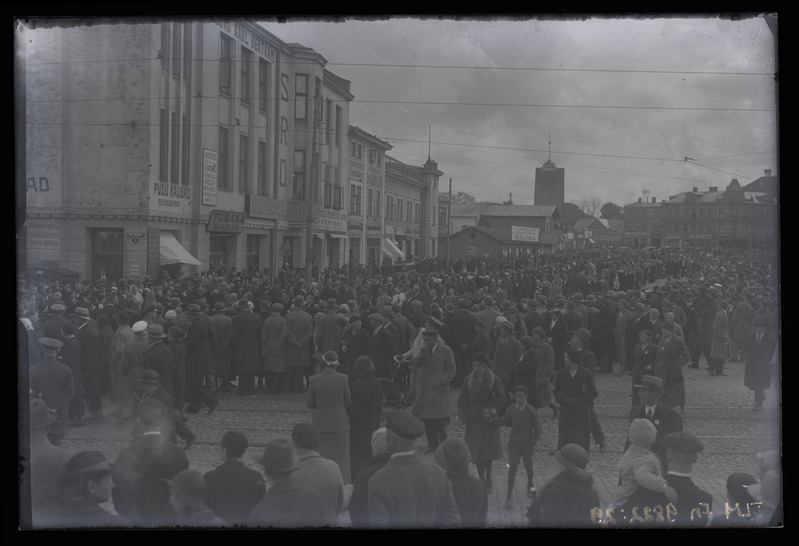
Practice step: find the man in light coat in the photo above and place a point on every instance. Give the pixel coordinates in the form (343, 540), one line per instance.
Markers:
(273, 343)
(741, 328)
(223, 326)
(435, 370)
(719, 347)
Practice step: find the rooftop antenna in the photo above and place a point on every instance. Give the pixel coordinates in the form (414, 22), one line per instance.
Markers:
(549, 153)
(429, 133)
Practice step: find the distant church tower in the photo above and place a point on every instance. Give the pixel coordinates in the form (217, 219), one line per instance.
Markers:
(550, 184)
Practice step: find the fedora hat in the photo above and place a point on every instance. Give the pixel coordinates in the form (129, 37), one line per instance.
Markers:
(81, 313)
(193, 308)
(573, 457)
(299, 301)
(219, 307)
(40, 415)
(452, 454)
(85, 462)
(651, 382)
(583, 334)
(155, 331)
(280, 456)
(243, 304)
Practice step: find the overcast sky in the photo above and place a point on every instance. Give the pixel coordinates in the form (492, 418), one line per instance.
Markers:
(716, 103)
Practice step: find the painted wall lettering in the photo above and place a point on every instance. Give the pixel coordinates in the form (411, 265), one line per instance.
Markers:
(284, 130)
(284, 87)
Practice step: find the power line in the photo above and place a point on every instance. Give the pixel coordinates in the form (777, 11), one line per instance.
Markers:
(543, 69)
(602, 106)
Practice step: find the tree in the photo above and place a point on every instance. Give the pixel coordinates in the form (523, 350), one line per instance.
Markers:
(589, 205)
(463, 198)
(571, 213)
(611, 211)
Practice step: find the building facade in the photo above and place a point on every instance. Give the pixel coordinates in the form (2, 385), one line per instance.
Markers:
(207, 142)
(643, 223)
(550, 185)
(537, 227)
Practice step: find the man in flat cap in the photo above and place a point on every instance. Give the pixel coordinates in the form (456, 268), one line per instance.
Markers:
(52, 381)
(409, 492)
(694, 505)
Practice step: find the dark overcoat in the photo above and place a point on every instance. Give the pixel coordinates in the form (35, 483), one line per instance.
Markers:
(89, 363)
(364, 414)
(273, 341)
(757, 372)
(233, 491)
(475, 398)
(245, 341)
(575, 396)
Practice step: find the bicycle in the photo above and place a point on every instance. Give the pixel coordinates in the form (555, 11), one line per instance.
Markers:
(395, 391)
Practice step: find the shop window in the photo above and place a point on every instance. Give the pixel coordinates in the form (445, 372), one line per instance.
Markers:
(301, 96)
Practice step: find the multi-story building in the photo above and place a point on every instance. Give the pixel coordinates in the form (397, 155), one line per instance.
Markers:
(599, 230)
(181, 144)
(730, 217)
(643, 223)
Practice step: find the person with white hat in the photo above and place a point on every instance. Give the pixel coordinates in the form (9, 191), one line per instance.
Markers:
(123, 335)
(52, 381)
(132, 364)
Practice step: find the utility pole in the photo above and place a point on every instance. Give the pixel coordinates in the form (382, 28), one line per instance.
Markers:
(449, 222)
(313, 183)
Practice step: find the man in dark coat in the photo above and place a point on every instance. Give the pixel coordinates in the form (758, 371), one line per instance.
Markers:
(159, 357)
(354, 343)
(233, 488)
(665, 419)
(403, 327)
(637, 324)
(287, 504)
(359, 501)
(580, 341)
(140, 489)
(567, 500)
(299, 346)
(469, 491)
(222, 325)
(383, 346)
(245, 339)
(52, 381)
(759, 352)
(89, 363)
(364, 413)
(462, 328)
(199, 349)
(557, 335)
(52, 327)
(603, 335)
(707, 307)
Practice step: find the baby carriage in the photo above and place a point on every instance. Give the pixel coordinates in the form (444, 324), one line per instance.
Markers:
(396, 391)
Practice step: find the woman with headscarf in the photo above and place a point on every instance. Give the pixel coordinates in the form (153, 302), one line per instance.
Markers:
(482, 395)
(364, 413)
(574, 390)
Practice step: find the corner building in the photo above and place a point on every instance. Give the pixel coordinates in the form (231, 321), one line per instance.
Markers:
(178, 145)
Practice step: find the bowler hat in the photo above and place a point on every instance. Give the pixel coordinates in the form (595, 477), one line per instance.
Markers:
(573, 457)
(243, 304)
(149, 377)
(305, 436)
(452, 454)
(40, 415)
(404, 424)
(506, 304)
(299, 301)
(81, 313)
(50, 343)
(193, 308)
(683, 442)
(279, 456)
(583, 334)
(331, 304)
(219, 307)
(85, 462)
(171, 315)
(651, 382)
(155, 331)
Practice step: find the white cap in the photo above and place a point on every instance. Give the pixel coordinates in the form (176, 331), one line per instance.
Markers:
(139, 327)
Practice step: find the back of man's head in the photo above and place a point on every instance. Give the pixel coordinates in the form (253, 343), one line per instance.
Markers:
(151, 413)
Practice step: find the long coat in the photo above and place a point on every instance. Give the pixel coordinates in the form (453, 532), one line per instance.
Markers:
(476, 397)
(558, 336)
(69, 354)
(53, 382)
(721, 337)
(434, 373)
(575, 396)
(358, 344)
(327, 335)
(159, 357)
(757, 372)
(471, 497)
(623, 318)
(179, 373)
(604, 338)
(544, 372)
(245, 340)
(199, 346)
(383, 351)
(672, 355)
(706, 316)
(273, 340)
(89, 364)
(233, 491)
(364, 416)
(741, 321)
(223, 326)
(329, 396)
(506, 356)
(298, 338)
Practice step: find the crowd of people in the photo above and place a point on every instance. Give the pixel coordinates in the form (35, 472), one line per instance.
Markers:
(515, 339)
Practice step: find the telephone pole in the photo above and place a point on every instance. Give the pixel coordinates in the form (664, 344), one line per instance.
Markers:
(312, 186)
(449, 221)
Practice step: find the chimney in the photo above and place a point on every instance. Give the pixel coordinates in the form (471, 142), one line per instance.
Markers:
(767, 172)
(713, 188)
(696, 190)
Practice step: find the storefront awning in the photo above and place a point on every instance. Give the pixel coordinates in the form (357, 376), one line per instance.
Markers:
(172, 252)
(337, 235)
(391, 250)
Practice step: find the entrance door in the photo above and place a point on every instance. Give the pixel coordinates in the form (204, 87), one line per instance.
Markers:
(107, 254)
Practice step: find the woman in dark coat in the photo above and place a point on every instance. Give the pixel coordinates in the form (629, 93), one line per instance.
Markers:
(482, 395)
(574, 390)
(364, 413)
(644, 356)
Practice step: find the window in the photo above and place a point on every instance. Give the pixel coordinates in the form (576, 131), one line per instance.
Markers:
(264, 74)
(360, 151)
(355, 199)
(184, 174)
(176, 49)
(693, 214)
(299, 175)
(442, 216)
(733, 212)
(317, 101)
(328, 119)
(378, 157)
(352, 148)
(252, 256)
(225, 64)
(186, 50)
(337, 197)
(328, 195)
(301, 96)
(339, 114)
(418, 212)
(263, 188)
(371, 204)
(379, 206)
(722, 213)
(224, 158)
(409, 212)
(175, 153)
(388, 207)
(219, 249)
(244, 164)
(372, 153)
(164, 53)
(163, 151)
(246, 67)
(399, 209)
